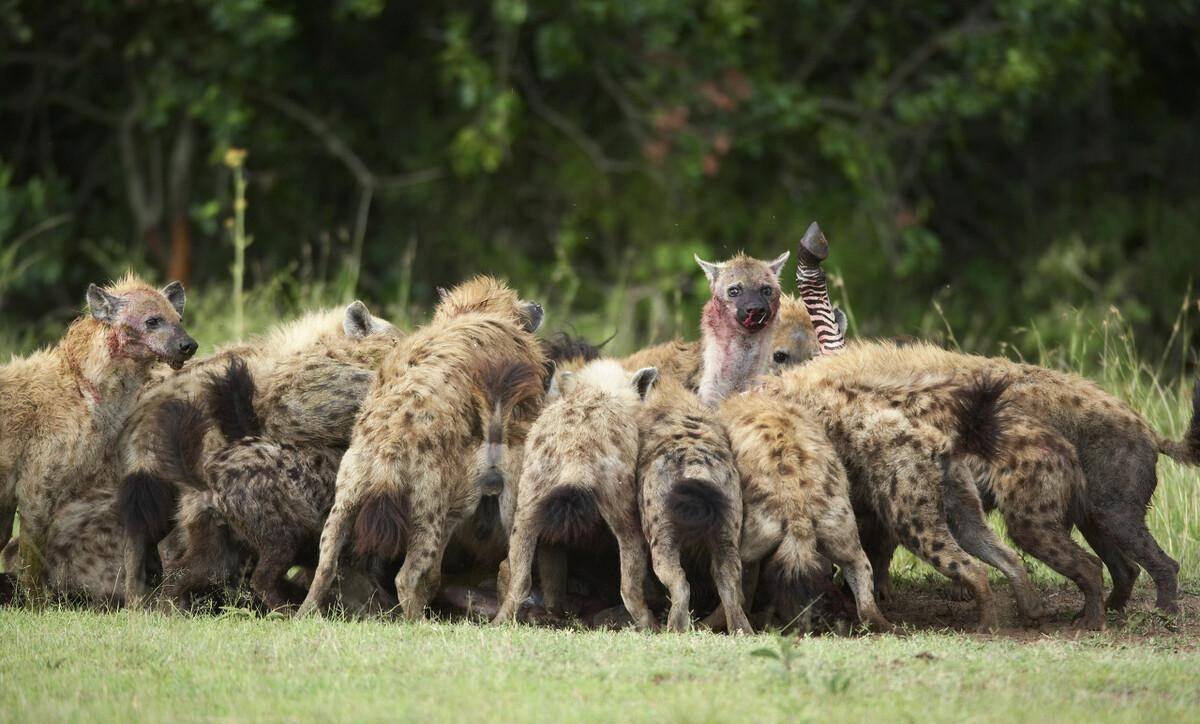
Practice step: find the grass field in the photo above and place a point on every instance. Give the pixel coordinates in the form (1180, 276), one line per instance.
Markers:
(86, 666)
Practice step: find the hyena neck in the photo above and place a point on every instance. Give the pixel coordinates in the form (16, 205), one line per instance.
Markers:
(731, 357)
(107, 381)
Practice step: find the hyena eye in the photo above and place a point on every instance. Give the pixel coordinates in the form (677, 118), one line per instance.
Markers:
(780, 356)
(154, 322)
(767, 291)
(734, 290)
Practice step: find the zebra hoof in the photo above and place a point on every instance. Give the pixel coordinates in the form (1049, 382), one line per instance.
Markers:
(814, 248)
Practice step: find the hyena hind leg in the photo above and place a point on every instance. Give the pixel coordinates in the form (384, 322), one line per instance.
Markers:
(664, 557)
(727, 575)
(1049, 541)
(334, 536)
(969, 526)
(1124, 571)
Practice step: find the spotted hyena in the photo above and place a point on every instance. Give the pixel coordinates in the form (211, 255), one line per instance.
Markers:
(1115, 449)
(578, 479)
(311, 375)
(798, 512)
(902, 467)
(273, 497)
(1080, 457)
(744, 303)
(690, 499)
(408, 471)
(62, 408)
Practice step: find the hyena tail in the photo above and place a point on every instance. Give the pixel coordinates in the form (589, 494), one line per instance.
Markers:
(979, 416)
(231, 401)
(500, 386)
(697, 510)
(563, 347)
(381, 527)
(180, 445)
(146, 505)
(797, 579)
(1187, 450)
(568, 515)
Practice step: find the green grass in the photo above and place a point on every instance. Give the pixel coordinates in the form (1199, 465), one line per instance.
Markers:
(72, 665)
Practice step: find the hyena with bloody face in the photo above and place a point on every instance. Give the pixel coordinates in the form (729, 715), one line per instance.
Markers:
(311, 374)
(793, 341)
(407, 477)
(62, 408)
(578, 478)
(744, 303)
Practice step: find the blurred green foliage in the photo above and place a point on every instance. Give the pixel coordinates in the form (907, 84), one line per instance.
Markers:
(975, 165)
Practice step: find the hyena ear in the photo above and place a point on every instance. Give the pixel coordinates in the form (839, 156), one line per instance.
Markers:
(644, 379)
(839, 318)
(777, 266)
(102, 305)
(560, 382)
(531, 316)
(175, 295)
(358, 322)
(549, 368)
(712, 271)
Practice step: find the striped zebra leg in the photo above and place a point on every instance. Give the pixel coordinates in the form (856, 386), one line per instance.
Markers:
(813, 289)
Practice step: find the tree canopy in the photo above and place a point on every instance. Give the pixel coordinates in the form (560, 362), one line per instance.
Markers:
(990, 163)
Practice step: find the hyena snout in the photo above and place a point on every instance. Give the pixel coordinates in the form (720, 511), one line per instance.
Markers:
(753, 315)
(491, 482)
(532, 314)
(180, 349)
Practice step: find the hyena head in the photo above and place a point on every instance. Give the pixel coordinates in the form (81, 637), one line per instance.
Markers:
(144, 324)
(488, 295)
(745, 292)
(794, 340)
(609, 377)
